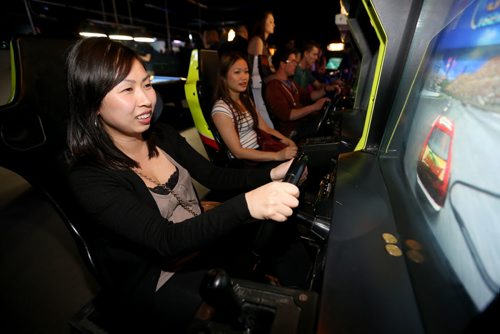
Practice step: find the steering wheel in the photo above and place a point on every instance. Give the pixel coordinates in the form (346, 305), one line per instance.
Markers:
(324, 113)
(296, 169)
(266, 230)
(316, 225)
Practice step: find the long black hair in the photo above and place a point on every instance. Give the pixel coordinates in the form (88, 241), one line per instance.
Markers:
(94, 66)
(259, 26)
(227, 60)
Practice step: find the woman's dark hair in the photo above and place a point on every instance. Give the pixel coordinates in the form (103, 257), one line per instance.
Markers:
(94, 66)
(227, 60)
(259, 27)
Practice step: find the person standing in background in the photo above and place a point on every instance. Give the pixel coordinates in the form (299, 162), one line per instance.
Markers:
(259, 59)
(211, 39)
(239, 43)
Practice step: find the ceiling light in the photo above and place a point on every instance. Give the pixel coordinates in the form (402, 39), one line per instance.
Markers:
(141, 35)
(92, 34)
(145, 39)
(121, 37)
(230, 35)
(88, 29)
(335, 47)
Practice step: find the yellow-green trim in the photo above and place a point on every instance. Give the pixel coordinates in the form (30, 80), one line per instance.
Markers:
(382, 37)
(403, 108)
(12, 74)
(405, 103)
(192, 97)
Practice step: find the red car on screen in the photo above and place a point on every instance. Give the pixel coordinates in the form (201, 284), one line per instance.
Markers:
(434, 162)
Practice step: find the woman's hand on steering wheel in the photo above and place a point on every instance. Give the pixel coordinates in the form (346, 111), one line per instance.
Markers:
(274, 200)
(278, 173)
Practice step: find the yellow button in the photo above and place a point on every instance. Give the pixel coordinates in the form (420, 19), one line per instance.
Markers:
(413, 244)
(389, 238)
(393, 250)
(415, 256)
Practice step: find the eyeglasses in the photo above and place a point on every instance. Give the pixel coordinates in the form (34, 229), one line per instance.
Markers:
(293, 62)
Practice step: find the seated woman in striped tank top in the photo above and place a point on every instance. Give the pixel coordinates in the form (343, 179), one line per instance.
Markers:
(235, 116)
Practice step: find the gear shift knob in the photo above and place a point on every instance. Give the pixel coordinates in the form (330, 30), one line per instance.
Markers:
(217, 290)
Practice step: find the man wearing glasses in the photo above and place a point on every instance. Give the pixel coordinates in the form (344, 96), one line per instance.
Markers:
(294, 109)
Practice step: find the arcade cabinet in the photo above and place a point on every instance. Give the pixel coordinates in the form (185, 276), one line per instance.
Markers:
(413, 245)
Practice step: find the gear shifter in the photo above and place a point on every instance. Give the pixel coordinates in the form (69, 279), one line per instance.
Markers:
(217, 290)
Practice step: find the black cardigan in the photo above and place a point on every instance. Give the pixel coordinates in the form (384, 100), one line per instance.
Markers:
(134, 239)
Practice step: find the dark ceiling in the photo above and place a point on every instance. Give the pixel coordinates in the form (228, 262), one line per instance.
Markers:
(172, 18)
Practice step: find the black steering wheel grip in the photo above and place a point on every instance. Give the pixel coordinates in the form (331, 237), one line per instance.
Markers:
(266, 230)
(296, 169)
(318, 226)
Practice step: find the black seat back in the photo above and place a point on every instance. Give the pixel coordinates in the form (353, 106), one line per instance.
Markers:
(33, 131)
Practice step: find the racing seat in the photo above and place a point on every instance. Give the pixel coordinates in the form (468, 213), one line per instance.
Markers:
(33, 145)
(199, 89)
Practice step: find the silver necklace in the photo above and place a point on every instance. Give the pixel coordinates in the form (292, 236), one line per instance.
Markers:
(167, 188)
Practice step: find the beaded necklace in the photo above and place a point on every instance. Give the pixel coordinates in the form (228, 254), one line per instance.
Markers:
(168, 190)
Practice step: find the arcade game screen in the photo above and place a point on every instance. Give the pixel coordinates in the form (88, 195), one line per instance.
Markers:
(452, 156)
(333, 63)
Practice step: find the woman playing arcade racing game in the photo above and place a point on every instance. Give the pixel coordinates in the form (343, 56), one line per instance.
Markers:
(133, 180)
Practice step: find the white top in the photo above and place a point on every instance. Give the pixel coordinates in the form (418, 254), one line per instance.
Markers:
(248, 136)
